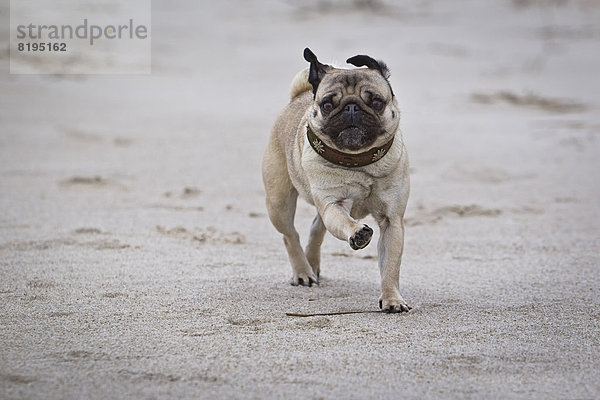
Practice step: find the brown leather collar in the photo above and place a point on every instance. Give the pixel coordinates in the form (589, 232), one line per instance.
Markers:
(346, 159)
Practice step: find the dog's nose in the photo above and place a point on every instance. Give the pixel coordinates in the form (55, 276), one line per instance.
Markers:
(352, 113)
(352, 108)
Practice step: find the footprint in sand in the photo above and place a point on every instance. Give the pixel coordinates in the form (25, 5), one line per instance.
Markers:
(187, 192)
(95, 181)
(424, 217)
(85, 181)
(86, 136)
(95, 243)
(482, 175)
(203, 235)
(530, 100)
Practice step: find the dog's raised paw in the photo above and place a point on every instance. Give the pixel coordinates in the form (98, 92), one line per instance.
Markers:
(361, 238)
(394, 306)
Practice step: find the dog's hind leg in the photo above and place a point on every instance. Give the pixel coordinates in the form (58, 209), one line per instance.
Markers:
(281, 206)
(313, 248)
(282, 210)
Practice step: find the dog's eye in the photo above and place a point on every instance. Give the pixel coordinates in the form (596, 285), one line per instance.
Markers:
(377, 104)
(327, 106)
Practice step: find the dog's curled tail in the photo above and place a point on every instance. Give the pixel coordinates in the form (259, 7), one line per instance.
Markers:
(300, 84)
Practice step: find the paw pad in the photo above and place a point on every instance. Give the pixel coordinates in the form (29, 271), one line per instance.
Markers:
(361, 238)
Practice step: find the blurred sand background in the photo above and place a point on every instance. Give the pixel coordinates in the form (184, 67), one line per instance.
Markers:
(137, 261)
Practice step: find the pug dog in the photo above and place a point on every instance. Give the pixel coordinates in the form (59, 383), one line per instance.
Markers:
(338, 145)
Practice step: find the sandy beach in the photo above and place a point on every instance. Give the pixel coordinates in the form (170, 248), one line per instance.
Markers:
(137, 260)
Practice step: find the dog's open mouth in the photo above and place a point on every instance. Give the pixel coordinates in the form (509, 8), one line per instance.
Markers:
(353, 138)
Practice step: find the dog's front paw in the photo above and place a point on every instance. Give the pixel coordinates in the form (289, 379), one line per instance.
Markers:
(394, 306)
(305, 279)
(361, 238)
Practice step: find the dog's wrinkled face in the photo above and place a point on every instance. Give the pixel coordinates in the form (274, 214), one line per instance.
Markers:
(353, 109)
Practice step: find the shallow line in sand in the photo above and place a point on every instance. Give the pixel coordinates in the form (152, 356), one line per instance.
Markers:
(290, 314)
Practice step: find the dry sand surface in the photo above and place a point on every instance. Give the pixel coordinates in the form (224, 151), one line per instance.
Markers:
(137, 261)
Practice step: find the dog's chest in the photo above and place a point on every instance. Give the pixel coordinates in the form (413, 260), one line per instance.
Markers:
(355, 187)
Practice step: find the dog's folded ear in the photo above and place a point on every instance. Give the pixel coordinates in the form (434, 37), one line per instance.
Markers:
(317, 70)
(369, 62)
